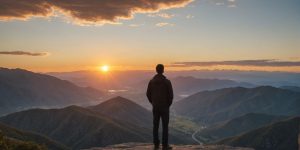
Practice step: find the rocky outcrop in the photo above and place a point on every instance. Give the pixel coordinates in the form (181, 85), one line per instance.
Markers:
(148, 146)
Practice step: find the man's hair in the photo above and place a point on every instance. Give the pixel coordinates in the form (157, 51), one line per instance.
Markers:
(160, 68)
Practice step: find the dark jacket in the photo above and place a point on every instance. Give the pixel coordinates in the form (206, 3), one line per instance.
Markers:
(160, 92)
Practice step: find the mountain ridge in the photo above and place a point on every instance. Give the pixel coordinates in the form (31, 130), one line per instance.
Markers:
(21, 89)
(239, 125)
(76, 127)
(224, 104)
(125, 110)
(281, 135)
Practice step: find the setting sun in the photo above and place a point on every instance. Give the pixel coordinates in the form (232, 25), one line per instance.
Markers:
(104, 68)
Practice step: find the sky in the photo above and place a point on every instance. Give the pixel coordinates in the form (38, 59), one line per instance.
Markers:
(64, 35)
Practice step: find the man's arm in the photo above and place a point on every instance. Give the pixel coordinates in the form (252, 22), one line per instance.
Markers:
(149, 89)
(171, 94)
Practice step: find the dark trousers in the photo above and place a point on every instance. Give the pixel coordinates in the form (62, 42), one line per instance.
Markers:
(164, 115)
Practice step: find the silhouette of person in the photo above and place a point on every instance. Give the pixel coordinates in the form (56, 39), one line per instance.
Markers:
(160, 95)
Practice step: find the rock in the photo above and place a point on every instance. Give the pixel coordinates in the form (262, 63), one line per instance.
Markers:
(148, 146)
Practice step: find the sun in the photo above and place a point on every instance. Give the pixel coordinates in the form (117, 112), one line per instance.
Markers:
(104, 68)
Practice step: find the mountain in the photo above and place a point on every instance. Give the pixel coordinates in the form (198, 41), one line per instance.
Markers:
(190, 85)
(225, 104)
(238, 126)
(129, 112)
(77, 127)
(282, 135)
(183, 86)
(21, 89)
(113, 80)
(187, 85)
(133, 84)
(125, 110)
(128, 77)
(292, 88)
(13, 135)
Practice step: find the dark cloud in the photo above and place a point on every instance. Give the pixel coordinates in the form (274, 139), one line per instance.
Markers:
(84, 11)
(23, 53)
(258, 63)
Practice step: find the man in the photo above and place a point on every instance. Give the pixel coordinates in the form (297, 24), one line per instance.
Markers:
(160, 95)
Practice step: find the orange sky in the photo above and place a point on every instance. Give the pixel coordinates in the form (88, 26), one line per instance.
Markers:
(136, 36)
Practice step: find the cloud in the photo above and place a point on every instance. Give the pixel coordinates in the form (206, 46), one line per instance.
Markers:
(84, 11)
(23, 53)
(189, 16)
(136, 25)
(228, 3)
(162, 15)
(220, 3)
(162, 24)
(294, 58)
(257, 63)
(231, 3)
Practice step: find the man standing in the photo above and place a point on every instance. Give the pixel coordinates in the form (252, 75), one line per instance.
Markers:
(160, 95)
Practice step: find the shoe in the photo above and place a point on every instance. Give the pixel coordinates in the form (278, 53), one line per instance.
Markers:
(168, 147)
(156, 147)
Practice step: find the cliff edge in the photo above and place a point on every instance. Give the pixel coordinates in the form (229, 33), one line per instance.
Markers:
(148, 146)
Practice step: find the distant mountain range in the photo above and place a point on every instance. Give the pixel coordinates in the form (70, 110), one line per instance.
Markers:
(15, 135)
(137, 81)
(183, 86)
(113, 80)
(121, 78)
(238, 126)
(191, 85)
(21, 89)
(282, 135)
(225, 104)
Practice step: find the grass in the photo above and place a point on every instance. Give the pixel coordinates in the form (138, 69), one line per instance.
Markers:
(184, 124)
(13, 144)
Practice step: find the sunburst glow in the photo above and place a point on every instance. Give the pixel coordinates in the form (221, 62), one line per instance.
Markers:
(104, 68)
